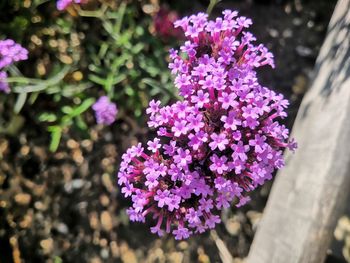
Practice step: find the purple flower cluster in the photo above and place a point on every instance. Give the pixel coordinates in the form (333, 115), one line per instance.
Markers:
(105, 111)
(221, 142)
(63, 4)
(10, 52)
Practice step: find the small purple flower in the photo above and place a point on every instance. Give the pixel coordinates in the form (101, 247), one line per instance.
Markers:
(200, 99)
(201, 71)
(173, 202)
(182, 157)
(157, 230)
(128, 190)
(223, 200)
(170, 148)
(218, 164)
(105, 111)
(206, 205)
(212, 220)
(249, 111)
(154, 145)
(218, 141)
(243, 200)
(231, 121)
(180, 127)
(239, 151)
(258, 143)
(153, 107)
(195, 122)
(197, 139)
(207, 83)
(189, 48)
(293, 145)
(181, 233)
(161, 197)
(193, 216)
(228, 100)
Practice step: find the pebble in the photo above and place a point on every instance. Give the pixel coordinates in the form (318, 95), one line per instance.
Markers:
(303, 51)
(23, 199)
(106, 221)
(47, 245)
(233, 226)
(62, 228)
(129, 257)
(77, 183)
(104, 253)
(273, 32)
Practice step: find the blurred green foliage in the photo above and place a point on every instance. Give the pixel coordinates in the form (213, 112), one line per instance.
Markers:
(104, 47)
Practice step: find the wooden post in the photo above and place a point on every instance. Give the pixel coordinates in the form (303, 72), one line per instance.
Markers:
(310, 193)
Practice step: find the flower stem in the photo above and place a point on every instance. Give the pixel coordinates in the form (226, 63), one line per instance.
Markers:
(211, 6)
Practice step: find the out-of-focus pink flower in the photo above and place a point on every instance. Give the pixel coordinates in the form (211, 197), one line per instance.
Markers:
(63, 4)
(105, 111)
(164, 24)
(4, 86)
(10, 52)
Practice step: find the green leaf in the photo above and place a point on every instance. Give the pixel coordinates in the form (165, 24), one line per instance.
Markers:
(109, 82)
(82, 107)
(121, 12)
(56, 134)
(47, 117)
(67, 110)
(21, 99)
(96, 79)
(107, 25)
(151, 82)
(74, 90)
(80, 123)
(42, 84)
(120, 60)
(103, 50)
(33, 97)
(137, 48)
(57, 260)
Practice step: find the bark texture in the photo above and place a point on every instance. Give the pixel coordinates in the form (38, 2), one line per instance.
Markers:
(310, 193)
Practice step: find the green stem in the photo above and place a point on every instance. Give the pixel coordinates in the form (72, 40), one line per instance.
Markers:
(23, 80)
(96, 13)
(211, 6)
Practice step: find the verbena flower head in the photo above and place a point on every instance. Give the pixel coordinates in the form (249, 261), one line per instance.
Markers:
(10, 52)
(63, 4)
(105, 111)
(218, 144)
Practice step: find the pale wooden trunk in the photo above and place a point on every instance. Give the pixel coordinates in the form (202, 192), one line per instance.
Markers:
(309, 194)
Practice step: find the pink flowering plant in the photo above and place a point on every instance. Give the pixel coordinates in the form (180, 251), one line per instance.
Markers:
(219, 143)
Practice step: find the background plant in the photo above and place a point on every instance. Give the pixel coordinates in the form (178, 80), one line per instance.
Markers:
(103, 48)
